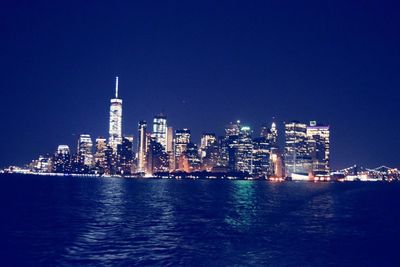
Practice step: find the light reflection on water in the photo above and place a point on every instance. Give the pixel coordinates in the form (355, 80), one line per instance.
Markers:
(243, 204)
(87, 221)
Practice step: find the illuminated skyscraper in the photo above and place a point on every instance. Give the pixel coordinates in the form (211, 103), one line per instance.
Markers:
(207, 140)
(115, 130)
(244, 151)
(273, 138)
(193, 157)
(261, 157)
(297, 154)
(100, 154)
(182, 139)
(239, 147)
(170, 148)
(209, 151)
(233, 129)
(85, 154)
(62, 160)
(319, 145)
(170, 139)
(125, 155)
(157, 158)
(142, 146)
(271, 134)
(160, 130)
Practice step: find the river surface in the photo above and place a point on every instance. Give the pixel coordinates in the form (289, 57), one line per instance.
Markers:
(75, 221)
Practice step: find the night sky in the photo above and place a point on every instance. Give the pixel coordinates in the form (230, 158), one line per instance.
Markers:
(203, 64)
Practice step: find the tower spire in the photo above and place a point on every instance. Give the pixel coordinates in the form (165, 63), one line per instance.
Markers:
(116, 87)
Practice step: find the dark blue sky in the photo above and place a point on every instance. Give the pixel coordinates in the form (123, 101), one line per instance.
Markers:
(203, 64)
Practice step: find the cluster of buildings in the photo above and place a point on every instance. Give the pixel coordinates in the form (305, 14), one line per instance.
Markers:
(159, 149)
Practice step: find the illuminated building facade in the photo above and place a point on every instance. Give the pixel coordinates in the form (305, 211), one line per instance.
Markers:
(244, 151)
(270, 133)
(297, 154)
(142, 146)
(182, 139)
(209, 151)
(261, 156)
(193, 157)
(125, 155)
(233, 129)
(100, 154)
(157, 158)
(115, 130)
(319, 142)
(85, 154)
(170, 148)
(207, 139)
(160, 130)
(62, 160)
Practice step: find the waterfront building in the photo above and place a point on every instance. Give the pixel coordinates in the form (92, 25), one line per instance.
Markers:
(297, 153)
(170, 148)
(125, 155)
(207, 139)
(182, 139)
(209, 151)
(62, 160)
(157, 158)
(85, 154)
(193, 157)
(100, 154)
(276, 164)
(111, 161)
(160, 130)
(42, 165)
(115, 129)
(239, 147)
(261, 157)
(318, 136)
(223, 153)
(244, 151)
(142, 147)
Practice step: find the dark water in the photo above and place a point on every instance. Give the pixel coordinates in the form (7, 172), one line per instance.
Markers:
(52, 221)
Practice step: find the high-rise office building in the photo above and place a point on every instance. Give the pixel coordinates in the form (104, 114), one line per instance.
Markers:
(273, 138)
(170, 148)
(157, 158)
(209, 152)
(182, 139)
(142, 147)
(244, 151)
(223, 153)
(261, 156)
(207, 139)
(297, 154)
(193, 157)
(319, 144)
(115, 130)
(100, 154)
(125, 155)
(233, 128)
(160, 129)
(270, 133)
(62, 160)
(85, 154)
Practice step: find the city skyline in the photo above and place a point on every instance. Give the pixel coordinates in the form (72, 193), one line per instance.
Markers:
(240, 153)
(202, 65)
(159, 130)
